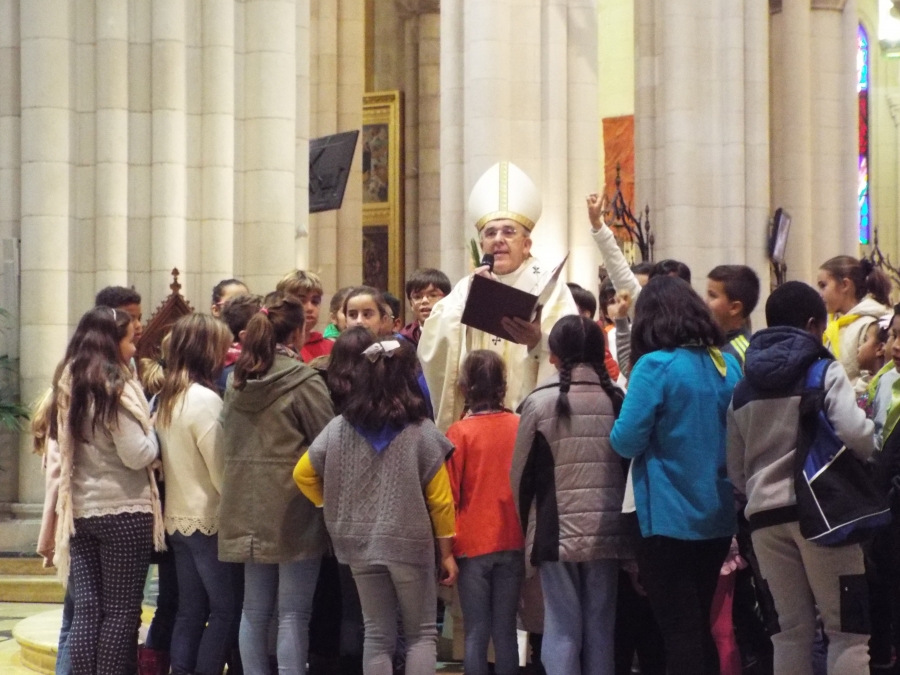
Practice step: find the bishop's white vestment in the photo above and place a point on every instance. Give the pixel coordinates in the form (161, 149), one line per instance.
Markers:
(445, 342)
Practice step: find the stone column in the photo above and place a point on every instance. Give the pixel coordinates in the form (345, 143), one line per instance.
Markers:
(813, 122)
(10, 199)
(269, 141)
(519, 82)
(350, 89)
(429, 136)
(111, 173)
(887, 233)
(422, 102)
(217, 173)
(453, 259)
(699, 139)
(834, 122)
(45, 50)
(301, 248)
(140, 148)
(583, 119)
(337, 85)
(323, 106)
(168, 232)
(408, 14)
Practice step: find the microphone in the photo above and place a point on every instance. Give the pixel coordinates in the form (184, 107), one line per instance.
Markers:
(488, 259)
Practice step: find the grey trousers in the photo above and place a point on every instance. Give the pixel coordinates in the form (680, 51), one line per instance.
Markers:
(802, 575)
(383, 591)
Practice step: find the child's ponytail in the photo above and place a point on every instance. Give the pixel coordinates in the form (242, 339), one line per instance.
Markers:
(877, 283)
(867, 279)
(482, 381)
(279, 317)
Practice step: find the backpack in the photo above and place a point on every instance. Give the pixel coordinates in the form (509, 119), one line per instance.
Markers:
(837, 500)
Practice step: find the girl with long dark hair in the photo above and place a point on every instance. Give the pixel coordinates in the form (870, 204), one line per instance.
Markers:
(564, 466)
(188, 422)
(108, 516)
(274, 409)
(672, 424)
(379, 471)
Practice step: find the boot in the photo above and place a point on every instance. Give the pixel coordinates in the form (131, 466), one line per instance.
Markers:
(152, 662)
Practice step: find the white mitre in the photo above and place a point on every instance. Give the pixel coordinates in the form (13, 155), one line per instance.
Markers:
(505, 192)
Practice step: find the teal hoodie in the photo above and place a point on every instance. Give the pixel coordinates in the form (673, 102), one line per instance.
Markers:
(673, 425)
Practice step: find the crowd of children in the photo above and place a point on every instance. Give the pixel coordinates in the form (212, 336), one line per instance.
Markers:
(303, 507)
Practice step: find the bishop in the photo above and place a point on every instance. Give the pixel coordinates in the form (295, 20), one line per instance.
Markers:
(504, 205)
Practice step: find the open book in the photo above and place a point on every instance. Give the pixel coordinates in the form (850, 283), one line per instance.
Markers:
(490, 300)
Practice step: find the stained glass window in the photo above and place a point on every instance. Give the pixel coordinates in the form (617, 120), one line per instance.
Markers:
(862, 90)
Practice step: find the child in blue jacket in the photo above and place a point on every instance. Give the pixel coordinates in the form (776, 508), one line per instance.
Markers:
(673, 425)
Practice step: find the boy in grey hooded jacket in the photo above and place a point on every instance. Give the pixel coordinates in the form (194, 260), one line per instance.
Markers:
(763, 422)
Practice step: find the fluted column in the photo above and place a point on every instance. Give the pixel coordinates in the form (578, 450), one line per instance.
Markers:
(337, 85)
(421, 25)
(429, 136)
(269, 144)
(583, 139)
(756, 144)
(888, 235)
(453, 184)
(140, 147)
(45, 173)
(814, 126)
(217, 173)
(350, 90)
(699, 139)
(555, 131)
(10, 199)
(410, 86)
(111, 177)
(301, 248)
(834, 122)
(168, 228)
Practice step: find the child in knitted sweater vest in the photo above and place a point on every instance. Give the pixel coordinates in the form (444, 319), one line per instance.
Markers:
(378, 471)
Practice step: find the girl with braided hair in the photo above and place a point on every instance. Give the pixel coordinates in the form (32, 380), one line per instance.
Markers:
(564, 466)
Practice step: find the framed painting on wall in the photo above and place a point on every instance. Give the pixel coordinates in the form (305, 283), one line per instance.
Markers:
(382, 177)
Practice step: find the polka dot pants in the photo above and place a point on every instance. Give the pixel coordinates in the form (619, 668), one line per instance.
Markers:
(110, 557)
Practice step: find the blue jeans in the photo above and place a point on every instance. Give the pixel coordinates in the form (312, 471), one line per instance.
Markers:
(579, 617)
(206, 624)
(383, 591)
(292, 585)
(63, 658)
(489, 588)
